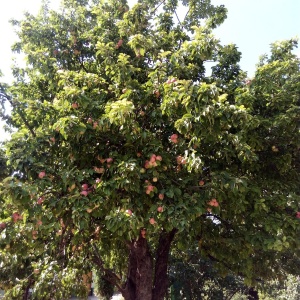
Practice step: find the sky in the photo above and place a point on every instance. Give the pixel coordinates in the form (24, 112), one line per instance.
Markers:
(251, 24)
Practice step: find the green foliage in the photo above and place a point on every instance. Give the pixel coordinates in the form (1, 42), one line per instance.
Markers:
(288, 290)
(114, 112)
(103, 287)
(193, 277)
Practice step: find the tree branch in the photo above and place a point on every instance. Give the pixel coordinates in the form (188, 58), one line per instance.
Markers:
(154, 10)
(109, 275)
(175, 12)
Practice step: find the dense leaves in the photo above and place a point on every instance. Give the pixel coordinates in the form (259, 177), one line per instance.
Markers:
(119, 127)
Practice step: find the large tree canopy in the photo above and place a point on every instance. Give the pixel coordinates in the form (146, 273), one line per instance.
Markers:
(126, 145)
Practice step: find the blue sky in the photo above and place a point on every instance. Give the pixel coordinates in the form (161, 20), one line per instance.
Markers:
(251, 24)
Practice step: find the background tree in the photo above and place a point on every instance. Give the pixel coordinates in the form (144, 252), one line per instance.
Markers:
(125, 147)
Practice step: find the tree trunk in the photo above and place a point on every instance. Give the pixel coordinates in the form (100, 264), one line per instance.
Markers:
(161, 281)
(140, 284)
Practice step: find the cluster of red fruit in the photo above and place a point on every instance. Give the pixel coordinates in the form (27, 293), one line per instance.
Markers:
(91, 121)
(40, 200)
(16, 216)
(153, 161)
(180, 160)
(213, 202)
(172, 80)
(149, 187)
(85, 190)
(108, 161)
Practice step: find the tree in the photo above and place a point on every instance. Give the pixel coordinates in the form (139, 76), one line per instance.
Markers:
(125, 147)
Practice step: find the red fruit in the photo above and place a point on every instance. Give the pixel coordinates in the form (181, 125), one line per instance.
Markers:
(109, 160)
(36, 271)
(150, 188)
(139, 154)
(42, 174)
(98, 180)
(84, 193)
(152, 221)
(99, 170)
(201, 182)
(298, 214)
(95, 125)
(147, 164)
(40, 200)
(153, 158)
(90, 120)
(119, 44)
(174, 138)
(160, 209)
(2, 225)
(179, 159)
(85, 187)
(161, 196)
(158, 157)
(39, 222)
(143, 233)
(34, 234)
(128, 212)
(172, 80)
(16, 216)
(213, 202)
(156, 93)
(75, 105)
(52, 139)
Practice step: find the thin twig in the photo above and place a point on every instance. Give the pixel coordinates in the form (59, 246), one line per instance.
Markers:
(158, 6)
(174, 9)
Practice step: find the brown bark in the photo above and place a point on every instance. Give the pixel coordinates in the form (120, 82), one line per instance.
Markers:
(139, 281)
(140, 284)
(161, 281)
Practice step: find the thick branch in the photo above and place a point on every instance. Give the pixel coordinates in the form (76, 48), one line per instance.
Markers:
(109, 275)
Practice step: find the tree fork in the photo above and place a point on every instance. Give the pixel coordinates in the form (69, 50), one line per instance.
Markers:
(140, 284)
